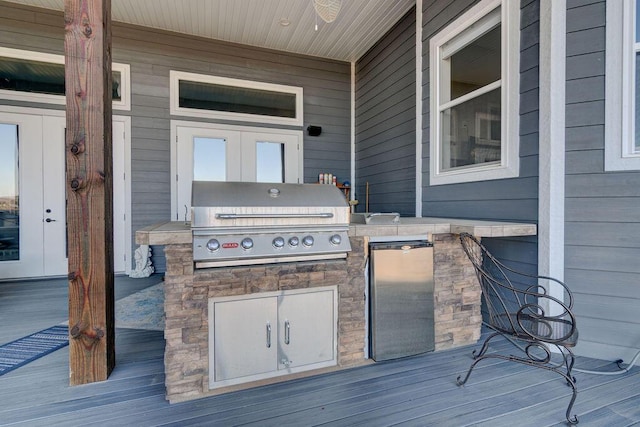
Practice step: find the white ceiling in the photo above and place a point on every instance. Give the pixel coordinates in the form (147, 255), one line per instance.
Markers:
(358, 26)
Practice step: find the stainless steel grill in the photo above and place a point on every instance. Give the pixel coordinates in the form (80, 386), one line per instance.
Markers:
(247, 223)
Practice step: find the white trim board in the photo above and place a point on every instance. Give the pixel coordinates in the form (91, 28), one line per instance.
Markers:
(552, 142)
(353, 131)
(418, 108)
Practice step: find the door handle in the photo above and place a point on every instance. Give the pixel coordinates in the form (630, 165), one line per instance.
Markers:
(268, 335)
(50, 220)
(287, 332)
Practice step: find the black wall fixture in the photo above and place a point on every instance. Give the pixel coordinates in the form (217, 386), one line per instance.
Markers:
(314, 130)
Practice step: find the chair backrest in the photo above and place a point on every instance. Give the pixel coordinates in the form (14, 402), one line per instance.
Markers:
(517, 303)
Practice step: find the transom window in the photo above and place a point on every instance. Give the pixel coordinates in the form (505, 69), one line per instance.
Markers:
(39, 77)
(198, 95)
(474, 76)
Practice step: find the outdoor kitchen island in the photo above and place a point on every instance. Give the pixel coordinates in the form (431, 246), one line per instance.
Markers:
(189, 292)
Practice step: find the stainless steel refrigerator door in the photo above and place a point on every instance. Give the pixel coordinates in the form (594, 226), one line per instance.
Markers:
(402, 285)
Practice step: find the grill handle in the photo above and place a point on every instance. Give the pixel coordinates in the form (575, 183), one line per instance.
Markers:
(276, 215)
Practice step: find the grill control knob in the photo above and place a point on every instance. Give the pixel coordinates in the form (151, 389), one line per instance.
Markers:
(278, 242)
(335, 239)
(246, 243)
(213, 245)
(307, 241)
(294, 241)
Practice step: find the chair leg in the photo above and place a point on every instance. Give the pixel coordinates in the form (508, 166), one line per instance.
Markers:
(571, 381)
(485, 346)
(478, 357)
(466, 377)
(569, 360)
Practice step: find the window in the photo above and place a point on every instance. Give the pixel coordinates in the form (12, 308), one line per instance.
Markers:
(9, 193)
(198, 95)
(622, 104)
(209, 159)
(270, 161)
(39, 77)
(474, 83)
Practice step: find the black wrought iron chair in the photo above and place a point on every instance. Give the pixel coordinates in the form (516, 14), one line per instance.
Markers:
(519, 308)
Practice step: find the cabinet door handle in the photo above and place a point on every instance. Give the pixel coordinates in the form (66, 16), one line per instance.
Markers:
(287, 332)
(268, 335)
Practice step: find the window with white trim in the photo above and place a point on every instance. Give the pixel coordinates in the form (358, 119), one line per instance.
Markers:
(474, 84)
(199, 95)
(622, 103)
(39, 77)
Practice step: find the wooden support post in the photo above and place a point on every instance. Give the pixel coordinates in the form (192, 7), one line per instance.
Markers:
(89, 187)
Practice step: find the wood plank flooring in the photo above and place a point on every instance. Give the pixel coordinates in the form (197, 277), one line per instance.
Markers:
(415, 391)
(29, 306)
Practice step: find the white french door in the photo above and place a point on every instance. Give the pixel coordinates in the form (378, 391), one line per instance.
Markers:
(216, 152)
(54, 210)
(121, 195)
(31, 219)
(33, 232)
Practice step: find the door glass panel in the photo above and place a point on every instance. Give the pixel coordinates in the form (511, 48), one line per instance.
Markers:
(9, 194)
(209, 159)
(269, 162)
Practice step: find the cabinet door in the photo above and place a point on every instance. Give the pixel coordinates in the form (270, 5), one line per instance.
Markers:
(306, 329)
(245, 338)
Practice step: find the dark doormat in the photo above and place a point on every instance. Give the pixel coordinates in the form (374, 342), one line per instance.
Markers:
(32, 347)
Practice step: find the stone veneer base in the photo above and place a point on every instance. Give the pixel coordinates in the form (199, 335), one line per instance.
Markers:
(187, 292)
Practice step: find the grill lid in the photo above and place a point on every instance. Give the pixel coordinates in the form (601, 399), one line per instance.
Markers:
(258, 194)
(242, 204)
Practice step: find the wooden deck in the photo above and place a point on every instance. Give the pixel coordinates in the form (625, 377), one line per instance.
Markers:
(415, 391)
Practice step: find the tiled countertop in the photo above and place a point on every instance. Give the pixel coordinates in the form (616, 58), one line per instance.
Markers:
(165, 233)
(179, 232)
(429, 225)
